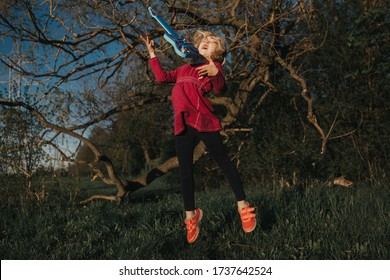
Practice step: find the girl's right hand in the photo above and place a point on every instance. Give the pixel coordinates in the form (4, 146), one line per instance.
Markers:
(149, 44)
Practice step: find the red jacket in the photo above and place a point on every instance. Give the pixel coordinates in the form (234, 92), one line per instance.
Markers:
(190, 105)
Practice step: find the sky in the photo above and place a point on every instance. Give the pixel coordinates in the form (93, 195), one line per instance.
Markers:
(5, 48)
(9, 48)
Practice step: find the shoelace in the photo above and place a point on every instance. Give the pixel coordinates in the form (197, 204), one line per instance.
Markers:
(191, 224)
(247, 213)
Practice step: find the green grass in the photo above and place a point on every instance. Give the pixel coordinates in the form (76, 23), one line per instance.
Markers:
(299, 223)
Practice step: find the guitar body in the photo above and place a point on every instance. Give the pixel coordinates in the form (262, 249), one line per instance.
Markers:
(181, 47)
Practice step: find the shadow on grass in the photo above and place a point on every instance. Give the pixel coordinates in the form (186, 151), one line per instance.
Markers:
(267, 219)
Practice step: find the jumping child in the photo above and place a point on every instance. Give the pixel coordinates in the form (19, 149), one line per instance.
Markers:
(194, 119)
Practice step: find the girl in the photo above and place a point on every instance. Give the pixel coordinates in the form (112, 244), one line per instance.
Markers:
(194, 119)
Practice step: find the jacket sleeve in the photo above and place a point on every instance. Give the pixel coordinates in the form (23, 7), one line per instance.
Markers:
(218, 81)
(161, 75)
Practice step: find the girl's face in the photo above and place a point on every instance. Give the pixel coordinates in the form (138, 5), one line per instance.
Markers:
(207, 46)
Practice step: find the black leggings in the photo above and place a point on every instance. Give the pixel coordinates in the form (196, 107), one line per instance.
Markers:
(185, 144)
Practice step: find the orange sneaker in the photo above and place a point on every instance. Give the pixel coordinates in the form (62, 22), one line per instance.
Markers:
(192, 226)
(248, 218)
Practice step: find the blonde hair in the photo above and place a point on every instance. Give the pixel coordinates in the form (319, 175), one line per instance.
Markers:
(220, 51)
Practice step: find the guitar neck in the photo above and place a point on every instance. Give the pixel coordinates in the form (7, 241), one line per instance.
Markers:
(181, 46)
(165, 25)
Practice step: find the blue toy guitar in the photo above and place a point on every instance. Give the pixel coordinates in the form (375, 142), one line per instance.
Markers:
(179, 43)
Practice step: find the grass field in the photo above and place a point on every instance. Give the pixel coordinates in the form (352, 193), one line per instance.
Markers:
(315, 222)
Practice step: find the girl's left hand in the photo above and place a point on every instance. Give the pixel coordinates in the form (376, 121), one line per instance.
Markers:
(210, 70)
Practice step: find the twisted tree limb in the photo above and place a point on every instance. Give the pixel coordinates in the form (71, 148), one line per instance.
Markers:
(309, 101)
